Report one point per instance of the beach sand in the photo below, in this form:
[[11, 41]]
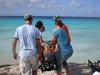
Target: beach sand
[[75, 68]]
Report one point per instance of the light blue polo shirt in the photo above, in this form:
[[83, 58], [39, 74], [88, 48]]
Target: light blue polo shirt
[[27, 36], [64, 48]]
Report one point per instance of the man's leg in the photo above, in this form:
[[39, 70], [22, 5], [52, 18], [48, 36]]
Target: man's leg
[[34, 64], [25, 67], [34, 72]]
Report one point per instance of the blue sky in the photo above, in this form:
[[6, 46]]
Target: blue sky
[[78, 8]]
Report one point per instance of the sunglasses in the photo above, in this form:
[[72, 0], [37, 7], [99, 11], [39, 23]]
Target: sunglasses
[[43, 28]]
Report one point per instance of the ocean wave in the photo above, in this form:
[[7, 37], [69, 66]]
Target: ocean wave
[[6, 30]]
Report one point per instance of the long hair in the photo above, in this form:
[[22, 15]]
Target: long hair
[[59, 23]]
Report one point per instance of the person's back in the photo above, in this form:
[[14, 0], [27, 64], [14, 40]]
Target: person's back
[[27, 35], [67, 32], [63, 44]]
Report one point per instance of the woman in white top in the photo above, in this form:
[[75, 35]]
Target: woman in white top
[[41, 28]]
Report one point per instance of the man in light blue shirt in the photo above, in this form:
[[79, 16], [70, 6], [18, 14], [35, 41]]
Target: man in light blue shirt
[[30, 46]]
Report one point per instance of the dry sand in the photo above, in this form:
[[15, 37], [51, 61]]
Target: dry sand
[[76, 69]]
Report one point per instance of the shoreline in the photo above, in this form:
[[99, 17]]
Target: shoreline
[[75, 69]]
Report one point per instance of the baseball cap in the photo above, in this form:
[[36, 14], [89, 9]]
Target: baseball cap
[[28, 16]]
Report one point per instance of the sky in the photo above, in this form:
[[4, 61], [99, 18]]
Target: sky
[[76, 8]]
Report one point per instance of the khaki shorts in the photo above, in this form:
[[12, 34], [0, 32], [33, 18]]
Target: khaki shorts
[[27, 64]]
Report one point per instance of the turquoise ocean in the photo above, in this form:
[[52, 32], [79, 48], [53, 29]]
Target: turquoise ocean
[[85, 37]]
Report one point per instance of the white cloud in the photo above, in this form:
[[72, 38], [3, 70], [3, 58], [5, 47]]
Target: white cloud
[[11, 3], [74, 3], [34, 1], [31, 2], [10, 7], [29, 5], [48, 4], [42, 5], [52, 1]]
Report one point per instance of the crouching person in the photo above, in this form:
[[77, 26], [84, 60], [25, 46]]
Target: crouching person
[[64, 48]]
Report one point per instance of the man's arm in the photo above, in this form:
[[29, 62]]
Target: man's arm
[[39, 48], [14, 48], [41, 40]]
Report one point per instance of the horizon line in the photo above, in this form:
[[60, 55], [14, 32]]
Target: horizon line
[[60, 16]]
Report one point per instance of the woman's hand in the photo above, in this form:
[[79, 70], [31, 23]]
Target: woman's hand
[[39, 57]]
